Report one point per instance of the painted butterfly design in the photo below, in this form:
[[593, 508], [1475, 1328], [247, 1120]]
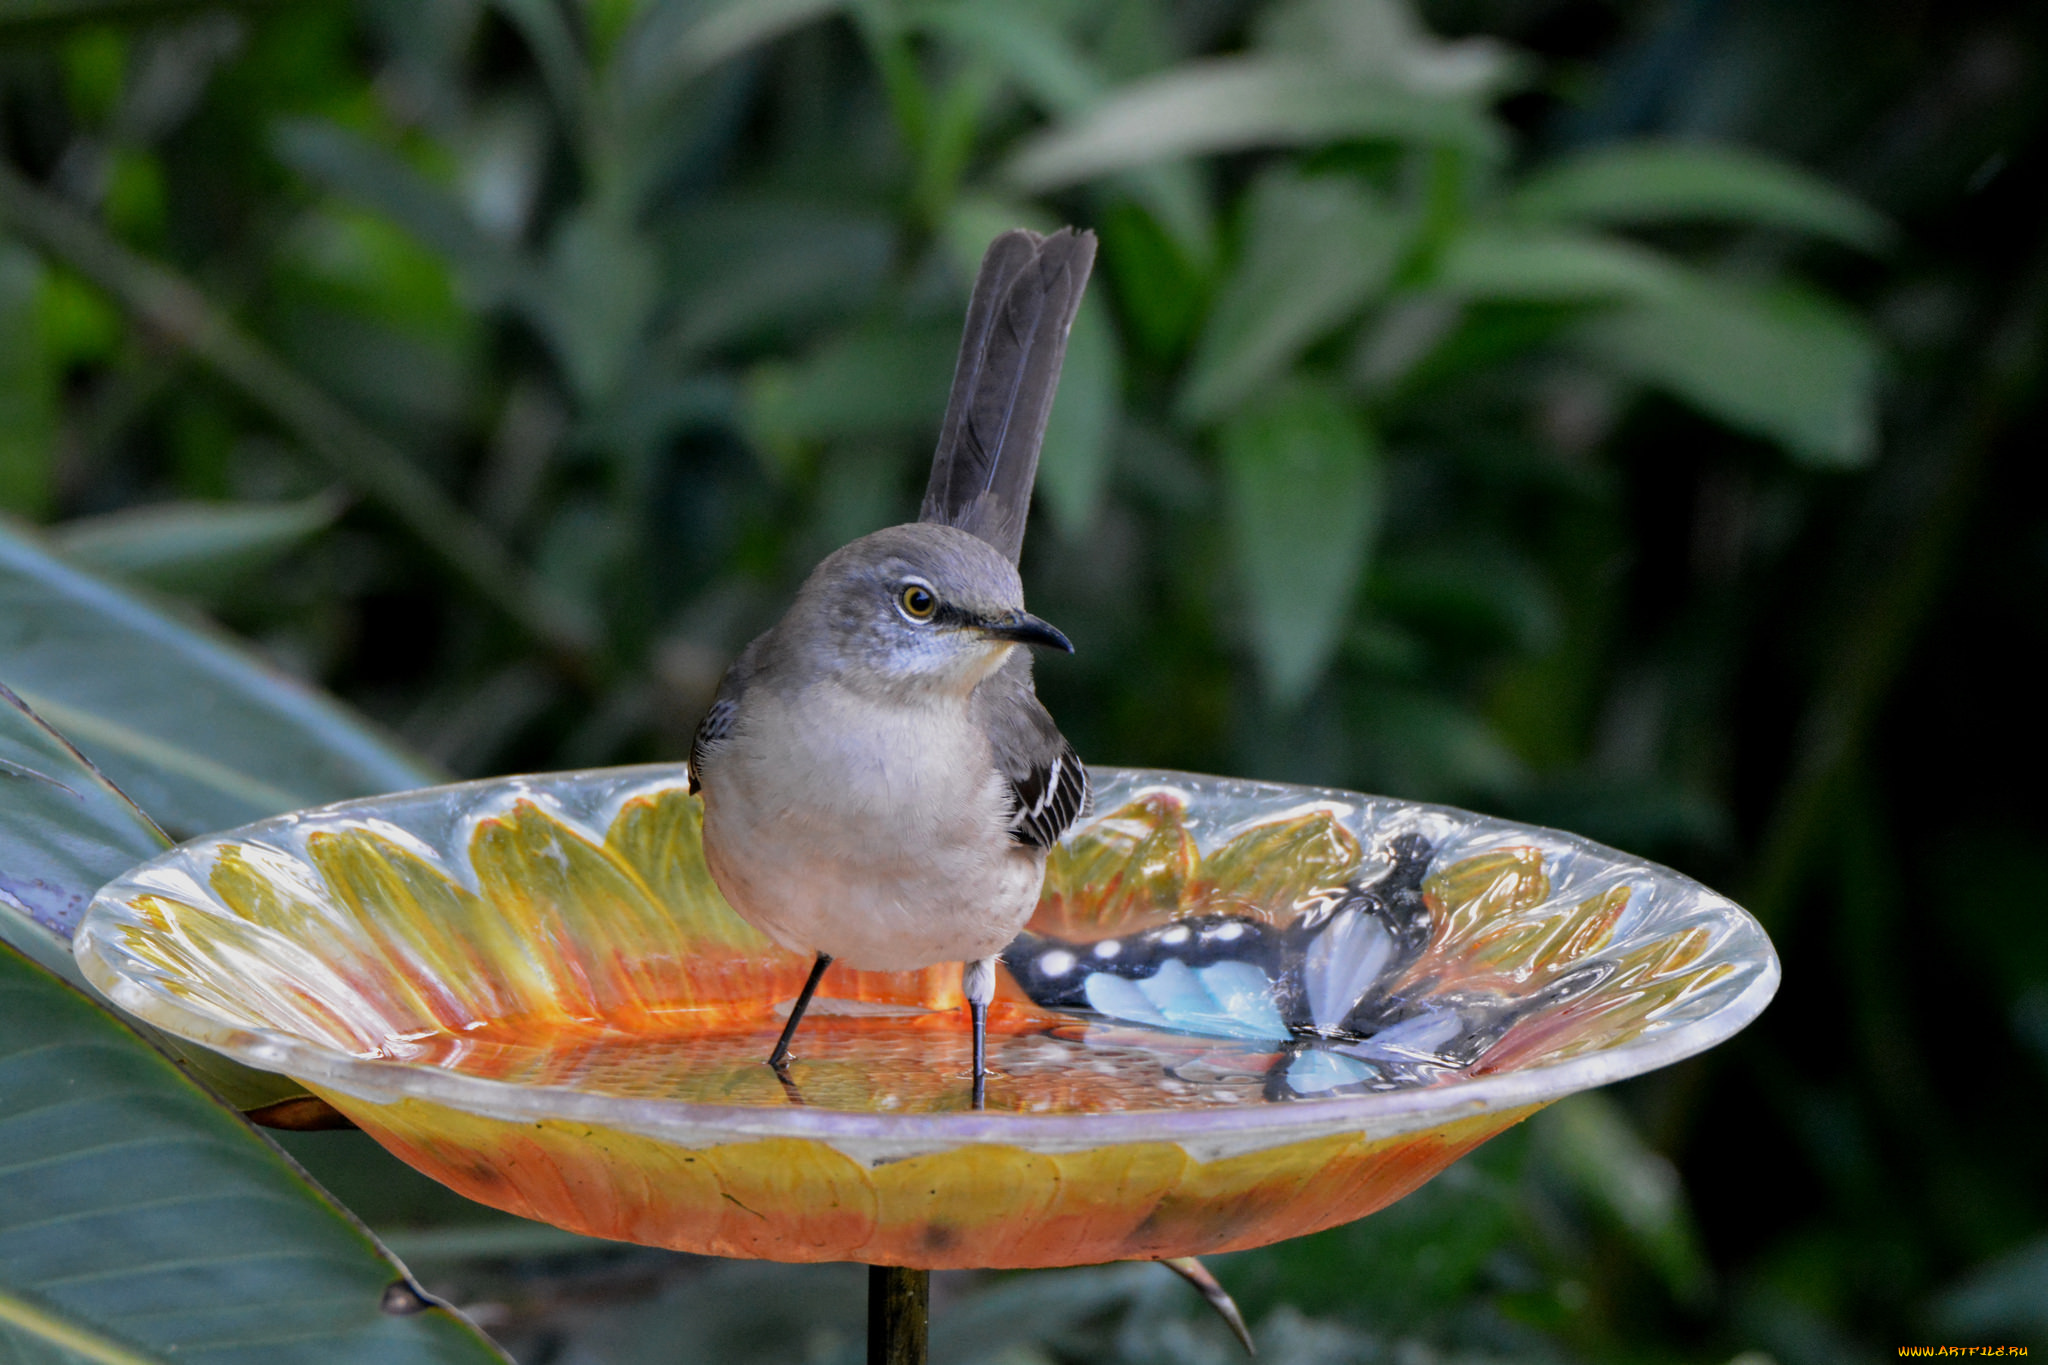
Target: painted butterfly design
[[1315, 992]]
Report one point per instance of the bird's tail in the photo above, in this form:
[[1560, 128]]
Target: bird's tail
[[1024, 302]]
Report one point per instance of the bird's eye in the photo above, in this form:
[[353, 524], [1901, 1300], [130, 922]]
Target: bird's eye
[[917, 601]]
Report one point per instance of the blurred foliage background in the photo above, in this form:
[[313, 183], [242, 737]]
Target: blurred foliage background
[[1610, 413]]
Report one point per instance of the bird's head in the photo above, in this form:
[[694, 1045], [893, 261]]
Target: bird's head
[[916, 608]]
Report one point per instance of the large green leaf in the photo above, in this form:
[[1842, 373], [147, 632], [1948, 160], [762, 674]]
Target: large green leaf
[[1233, 104], [196, 549], [137, 1215], [64, 831], [1302, 478], [1784, 364], [200, 733], [1315, 250], [1643, 184]]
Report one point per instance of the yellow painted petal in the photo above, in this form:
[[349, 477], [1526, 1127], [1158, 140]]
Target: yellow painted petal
[[789, 1199], [457, 951], [1131, 868], [1222, 1203], [960, 1207], [608, 951], [1276, 869], [303, 950], [660, 836]]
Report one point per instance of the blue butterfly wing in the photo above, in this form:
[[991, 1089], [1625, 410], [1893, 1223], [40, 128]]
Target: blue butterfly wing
[[1235, 976], [1315, 1071]]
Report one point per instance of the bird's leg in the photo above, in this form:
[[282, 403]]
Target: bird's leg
[[780, 1057], [978, 984]]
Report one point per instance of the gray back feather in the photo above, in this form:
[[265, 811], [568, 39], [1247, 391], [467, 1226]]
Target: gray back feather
[[1010, 354]]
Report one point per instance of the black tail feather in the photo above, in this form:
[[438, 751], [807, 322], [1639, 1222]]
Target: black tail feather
[[1010, 354]]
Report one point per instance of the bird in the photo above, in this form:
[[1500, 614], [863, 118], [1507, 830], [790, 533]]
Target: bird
[[881, 785]]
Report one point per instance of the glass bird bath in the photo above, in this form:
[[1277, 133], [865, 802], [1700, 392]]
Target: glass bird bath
[[1243, 1012]]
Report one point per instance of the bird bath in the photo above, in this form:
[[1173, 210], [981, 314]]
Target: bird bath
[[1242, 1012]]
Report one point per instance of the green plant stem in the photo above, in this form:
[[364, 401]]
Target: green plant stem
[[899, 1315], [174, 307]]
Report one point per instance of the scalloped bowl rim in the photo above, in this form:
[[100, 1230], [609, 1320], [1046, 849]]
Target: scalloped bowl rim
[[694, 1124]]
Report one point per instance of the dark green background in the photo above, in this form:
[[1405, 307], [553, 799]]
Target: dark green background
[[566, 336]]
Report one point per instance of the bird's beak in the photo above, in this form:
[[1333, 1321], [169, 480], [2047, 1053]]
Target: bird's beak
[[1021, 627]]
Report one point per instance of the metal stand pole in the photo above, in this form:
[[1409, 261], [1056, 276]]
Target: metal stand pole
[[899, 1319]]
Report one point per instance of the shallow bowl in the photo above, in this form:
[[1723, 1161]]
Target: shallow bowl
[[1243, 1011]]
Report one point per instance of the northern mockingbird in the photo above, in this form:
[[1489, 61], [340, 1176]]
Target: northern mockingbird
[[880, 782]]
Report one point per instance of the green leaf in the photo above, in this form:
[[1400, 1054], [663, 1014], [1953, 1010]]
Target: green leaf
[[1040, 59], [1232, 104], [2006, 1296], [1785, 365], [1160, 290], [545, 26], [1315, 251], [1302, 475], [197, 549], [1075, 463], [194, 728], [868, 383], [28, 387], [1020, 42], [64, 832], [33, 1335], [1589, 1141], [375, 178], [1414, 740], [1385, 39], [1647, 183], [1544, 266], [746, 270], [1480, 591], [142, 1216], [737, 25], [607, 276]]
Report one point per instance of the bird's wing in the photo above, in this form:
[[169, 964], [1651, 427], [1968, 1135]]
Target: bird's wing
[[1010, 354], [1049, 787], [717, 724]]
